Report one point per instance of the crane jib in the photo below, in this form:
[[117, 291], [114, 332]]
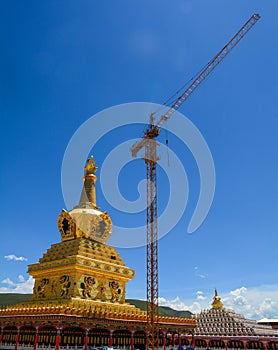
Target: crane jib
[[201, 77]]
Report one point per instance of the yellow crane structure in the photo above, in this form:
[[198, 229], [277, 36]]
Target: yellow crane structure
[[149, 144]]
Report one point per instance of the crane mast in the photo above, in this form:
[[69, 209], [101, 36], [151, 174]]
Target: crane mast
[[151, 158]]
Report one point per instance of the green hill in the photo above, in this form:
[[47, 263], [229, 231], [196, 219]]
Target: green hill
[[14, 298], [162, 310]]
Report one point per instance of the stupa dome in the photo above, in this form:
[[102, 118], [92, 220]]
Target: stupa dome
[[92, 223], [86, 219]]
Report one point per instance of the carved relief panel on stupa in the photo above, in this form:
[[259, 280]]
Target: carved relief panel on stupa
[[53, 288], [101, 289]]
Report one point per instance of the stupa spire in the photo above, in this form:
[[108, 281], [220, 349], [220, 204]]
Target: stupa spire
[[216, 303], [88, 194]]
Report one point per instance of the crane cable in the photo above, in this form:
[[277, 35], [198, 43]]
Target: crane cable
[[167, 145], [172, 98]]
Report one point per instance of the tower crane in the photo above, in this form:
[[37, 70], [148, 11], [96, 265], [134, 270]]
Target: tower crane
[[149, 144]]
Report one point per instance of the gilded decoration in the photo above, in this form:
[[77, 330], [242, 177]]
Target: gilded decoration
[[101, 289], [92, 224], [88, 287], [64, 282], [52, 288], [116, 291], [66, 226], [42, 288]]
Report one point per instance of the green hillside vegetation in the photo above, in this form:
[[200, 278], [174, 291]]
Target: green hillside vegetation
[[162, 310], [14, 298]]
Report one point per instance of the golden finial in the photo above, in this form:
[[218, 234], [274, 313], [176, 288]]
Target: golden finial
[[216, 303], [90, 166], [88, 194]]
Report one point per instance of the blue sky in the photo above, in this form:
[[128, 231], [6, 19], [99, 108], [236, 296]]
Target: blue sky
[[64, 61]]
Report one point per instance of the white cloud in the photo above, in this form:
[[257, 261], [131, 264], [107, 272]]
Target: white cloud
[[23, 286], [178, 304], [14, 257], [267, 305], [252, 302], [195, 307], [239, 291], [21, 278], [200, 295], [8, 281], [175, 303], [198, 273]]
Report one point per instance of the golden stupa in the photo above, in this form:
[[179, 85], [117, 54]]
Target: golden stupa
[[82, 267], [80, 286], [216, 303]]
